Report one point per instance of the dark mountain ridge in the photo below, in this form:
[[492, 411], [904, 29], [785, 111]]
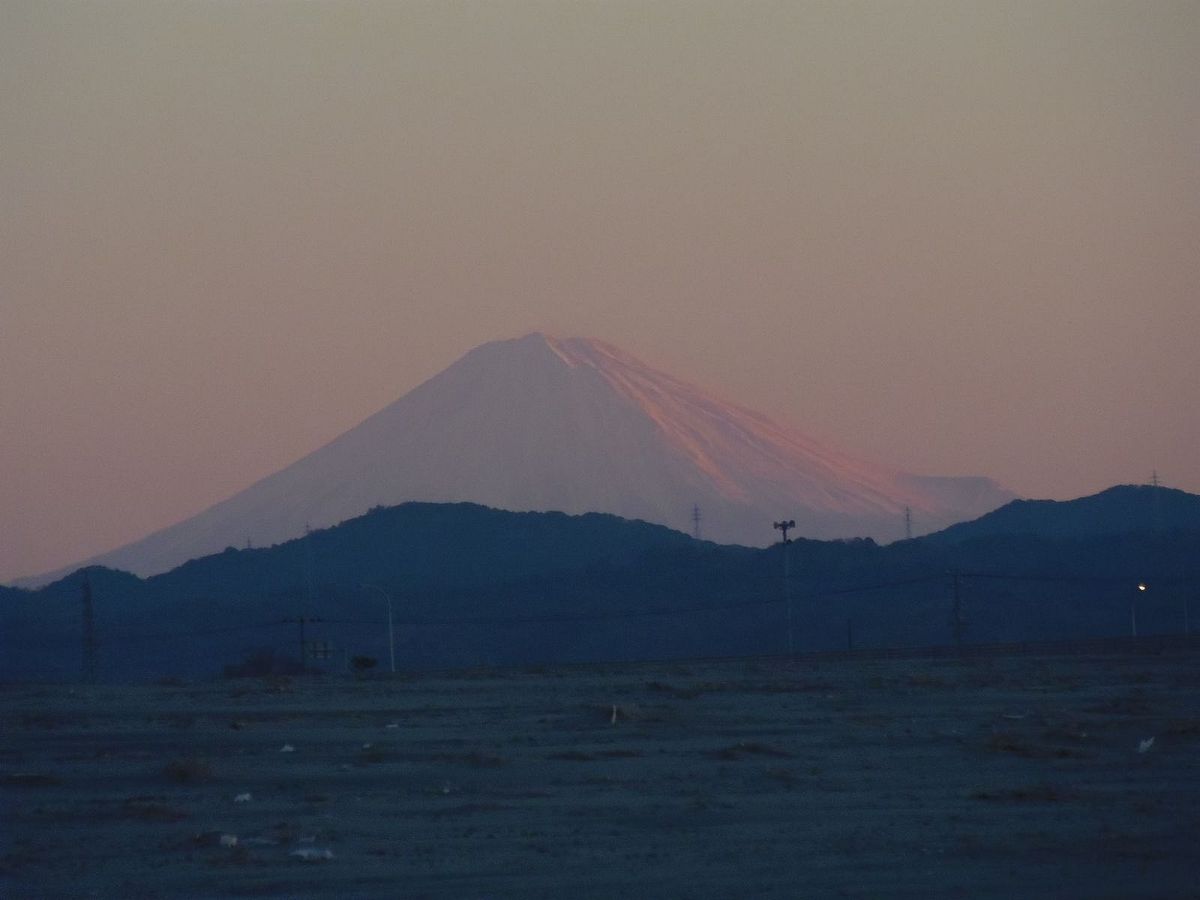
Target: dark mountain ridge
[[1123, 509], [471, 585]]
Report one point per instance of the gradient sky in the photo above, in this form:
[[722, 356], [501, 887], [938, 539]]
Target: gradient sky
[[956, 237]]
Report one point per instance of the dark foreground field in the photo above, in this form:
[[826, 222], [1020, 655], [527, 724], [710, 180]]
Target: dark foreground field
[[1015, 777]]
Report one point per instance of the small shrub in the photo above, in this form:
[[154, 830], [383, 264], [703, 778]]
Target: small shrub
[[375, 754], [187, 771], [150, 809], [1035, 793], [784, 777], [483, 760], [1002, 742], [571, 756], [261, 663], [748, 748]]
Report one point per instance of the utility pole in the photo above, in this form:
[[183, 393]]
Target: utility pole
[[787, 592], [957, 625], [391, 632], [90, 646], [308, 567], [302, 621], [908, 523], [696, 522], [1141, 589]]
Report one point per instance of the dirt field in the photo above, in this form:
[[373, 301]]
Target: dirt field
[[1008, 777]]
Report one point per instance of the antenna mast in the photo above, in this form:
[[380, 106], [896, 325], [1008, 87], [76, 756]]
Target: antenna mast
[[908, 523], [696, 522]]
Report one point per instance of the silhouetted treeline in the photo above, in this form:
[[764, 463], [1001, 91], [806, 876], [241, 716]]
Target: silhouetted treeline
[[471, 585]]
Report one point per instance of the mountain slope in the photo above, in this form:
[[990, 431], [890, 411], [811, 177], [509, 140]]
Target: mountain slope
[[1123, 509], [468, 586], [573, 425]]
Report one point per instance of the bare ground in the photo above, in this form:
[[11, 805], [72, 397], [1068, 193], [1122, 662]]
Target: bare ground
[[1014, 777]]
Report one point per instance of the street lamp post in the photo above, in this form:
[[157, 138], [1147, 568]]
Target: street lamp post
[[391, 632], [1133, 609]]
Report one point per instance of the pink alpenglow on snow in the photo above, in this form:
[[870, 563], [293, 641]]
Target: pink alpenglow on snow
[[576, 425]]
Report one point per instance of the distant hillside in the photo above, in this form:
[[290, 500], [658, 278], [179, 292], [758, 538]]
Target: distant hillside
[[1124, 509], [475, 586]]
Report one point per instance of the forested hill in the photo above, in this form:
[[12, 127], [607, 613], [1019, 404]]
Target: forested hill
[[470, 585], [1124, 509]]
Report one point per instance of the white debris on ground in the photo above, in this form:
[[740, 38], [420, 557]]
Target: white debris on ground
[[243, 798], [312, 854], [287, 748], [229, 840], [1144, 746]]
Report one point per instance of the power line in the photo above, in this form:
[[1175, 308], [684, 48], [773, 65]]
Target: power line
[[126, 635], [91, 641], [634, 613]]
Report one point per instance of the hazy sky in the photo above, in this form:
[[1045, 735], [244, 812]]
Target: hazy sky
[[957, 237]]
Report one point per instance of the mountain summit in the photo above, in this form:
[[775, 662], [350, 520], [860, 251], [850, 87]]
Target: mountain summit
[[577, 425]]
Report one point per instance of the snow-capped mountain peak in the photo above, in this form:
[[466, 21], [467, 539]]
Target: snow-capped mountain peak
[[577, 425]]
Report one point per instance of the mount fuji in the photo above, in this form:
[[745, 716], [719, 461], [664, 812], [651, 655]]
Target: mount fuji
[[576, 425]]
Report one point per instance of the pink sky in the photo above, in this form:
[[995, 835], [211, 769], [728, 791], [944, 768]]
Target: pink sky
[[955, 237]]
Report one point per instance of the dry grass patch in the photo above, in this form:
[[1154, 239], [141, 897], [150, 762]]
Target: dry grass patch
[[29, 780], [581, 756], [748, 748], [1005, 742], [188, 771], [571, 756], [1183, 728], [923, 679], [1035, 793], [786, 777], [151, 809]]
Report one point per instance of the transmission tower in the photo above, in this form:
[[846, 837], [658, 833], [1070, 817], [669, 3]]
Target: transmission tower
[[89, 633], [696, 522], [908, 523]]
